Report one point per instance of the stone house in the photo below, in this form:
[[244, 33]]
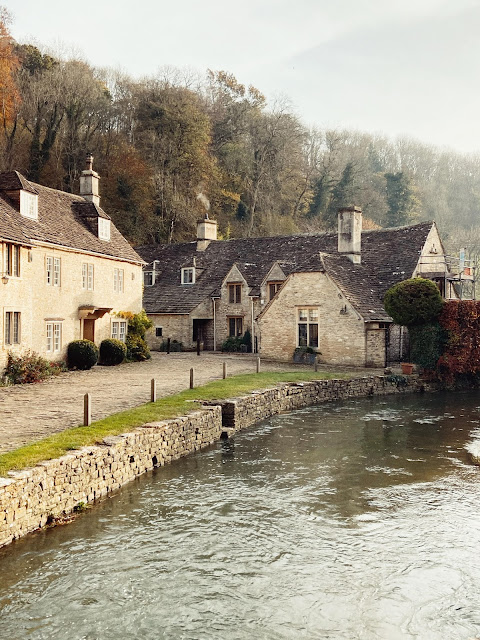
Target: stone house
[[66, 270], [323, 291]]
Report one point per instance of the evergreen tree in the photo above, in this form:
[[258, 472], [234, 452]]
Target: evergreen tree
[[401, 200]]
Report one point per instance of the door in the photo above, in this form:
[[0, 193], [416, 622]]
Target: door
[[89, 330]]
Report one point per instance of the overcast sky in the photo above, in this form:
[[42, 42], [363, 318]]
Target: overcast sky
[[398, 67]]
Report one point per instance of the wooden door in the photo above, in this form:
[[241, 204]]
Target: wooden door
[[89, 330]]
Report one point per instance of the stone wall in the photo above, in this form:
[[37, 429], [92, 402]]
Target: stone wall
[[32, 498], [239, 413]]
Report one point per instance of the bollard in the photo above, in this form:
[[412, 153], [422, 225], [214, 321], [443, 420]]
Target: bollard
[[316, 365], [153, 390], [168, 346], [191, 378], [87, 410], [224, 370], [198, 346], [258, 364]]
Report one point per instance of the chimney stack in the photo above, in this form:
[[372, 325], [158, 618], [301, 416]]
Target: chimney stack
[[206, 232], [350, 233], [89, 182]]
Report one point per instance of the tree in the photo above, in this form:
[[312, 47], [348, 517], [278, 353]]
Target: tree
[[401, 200], [9, 94]]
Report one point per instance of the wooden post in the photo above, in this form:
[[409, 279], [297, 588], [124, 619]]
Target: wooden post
[[258, 364], [87, 410], [198, 346], [168, 345], [316, 365], [191, 378], [224, 370], [153, 390]]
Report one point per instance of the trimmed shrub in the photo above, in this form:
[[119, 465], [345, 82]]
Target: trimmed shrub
[[138, 323], [174, 345], [82, 354], [247, 340], [426, 344], [232, 343], [413, 302], [30, 367], [112, 352]]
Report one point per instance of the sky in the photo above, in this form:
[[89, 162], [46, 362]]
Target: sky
[[393, 67]]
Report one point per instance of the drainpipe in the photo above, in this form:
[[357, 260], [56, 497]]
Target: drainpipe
[[214, 326], [253, 330]]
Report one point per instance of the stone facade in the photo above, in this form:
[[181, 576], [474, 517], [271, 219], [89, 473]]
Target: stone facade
[[32, 498], [341, 330], [40, 303]]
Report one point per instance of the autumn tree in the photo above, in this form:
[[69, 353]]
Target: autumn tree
[[9, 93]]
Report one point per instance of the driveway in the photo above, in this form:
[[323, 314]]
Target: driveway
[[33, 411]]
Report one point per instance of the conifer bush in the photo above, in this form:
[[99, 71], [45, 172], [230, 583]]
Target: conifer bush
[[413, 302], [82, 354], [112, 352]]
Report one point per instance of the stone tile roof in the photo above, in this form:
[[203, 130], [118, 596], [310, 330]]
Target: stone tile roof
[[63, 219], [388, 256]]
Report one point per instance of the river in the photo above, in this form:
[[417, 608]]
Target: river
[[352, 520]]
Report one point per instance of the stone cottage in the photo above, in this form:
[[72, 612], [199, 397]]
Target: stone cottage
[[323, 291], [66, 270]]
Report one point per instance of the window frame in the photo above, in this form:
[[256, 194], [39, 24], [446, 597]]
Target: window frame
[[276, 284], [12, 334], [118, 330], [87, 276], [103, 229], [54, 334], [118, 280], [235, 322], [310, 324], [53, 271], [234, 292], [12, 260], [191, 278]]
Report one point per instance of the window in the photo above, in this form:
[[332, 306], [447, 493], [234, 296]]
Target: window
[[235, 327], [103, 229], [119, 330], [273, 287], [234, 293], [118, 280], [148, 278], [54, 337], [188, 275], [29, 205], [87, 276], [12, 327], [158, 332], [12, 260], [307, 323], [53, 271]]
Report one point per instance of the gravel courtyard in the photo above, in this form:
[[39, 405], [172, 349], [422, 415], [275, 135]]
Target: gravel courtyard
[[30, 412]]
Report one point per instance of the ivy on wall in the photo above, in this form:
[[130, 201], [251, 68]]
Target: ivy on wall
[[461, 353]]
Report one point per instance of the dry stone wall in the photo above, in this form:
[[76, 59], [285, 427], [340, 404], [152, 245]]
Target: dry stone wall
[[32, 498]]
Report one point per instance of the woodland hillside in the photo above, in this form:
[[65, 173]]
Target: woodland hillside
[[171, 146]]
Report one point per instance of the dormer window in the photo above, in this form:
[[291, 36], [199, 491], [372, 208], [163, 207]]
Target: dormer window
[[29, 205], [188, 275], [103, 229], [149, 278]]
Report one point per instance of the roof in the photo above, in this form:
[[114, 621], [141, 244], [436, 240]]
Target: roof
[[388, 256], [64, 219]]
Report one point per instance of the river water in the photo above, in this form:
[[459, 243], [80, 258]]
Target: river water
[[353, 520]]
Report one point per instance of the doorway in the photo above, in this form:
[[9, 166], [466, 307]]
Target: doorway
[[89, 330]]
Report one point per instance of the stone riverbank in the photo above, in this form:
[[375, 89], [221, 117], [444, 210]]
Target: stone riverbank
[[52, 490]]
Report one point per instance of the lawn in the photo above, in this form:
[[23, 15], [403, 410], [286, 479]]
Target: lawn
[[164, 408]]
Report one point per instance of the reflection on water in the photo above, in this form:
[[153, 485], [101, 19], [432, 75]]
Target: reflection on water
[[349, 520]]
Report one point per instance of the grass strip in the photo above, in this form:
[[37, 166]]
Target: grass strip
[[163, 409]]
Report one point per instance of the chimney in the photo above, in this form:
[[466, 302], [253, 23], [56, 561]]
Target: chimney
[[350, 233], [206, 231], [89, 182]]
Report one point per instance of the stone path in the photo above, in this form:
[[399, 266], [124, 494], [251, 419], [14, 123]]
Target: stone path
[[31, 412]]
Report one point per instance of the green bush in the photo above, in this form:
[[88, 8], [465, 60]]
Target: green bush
[[414, 302], [174, 345], [82, 354], [137, 348], [427, 342], [30, 367], [232, 343], [247, 340], [112, 352]]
